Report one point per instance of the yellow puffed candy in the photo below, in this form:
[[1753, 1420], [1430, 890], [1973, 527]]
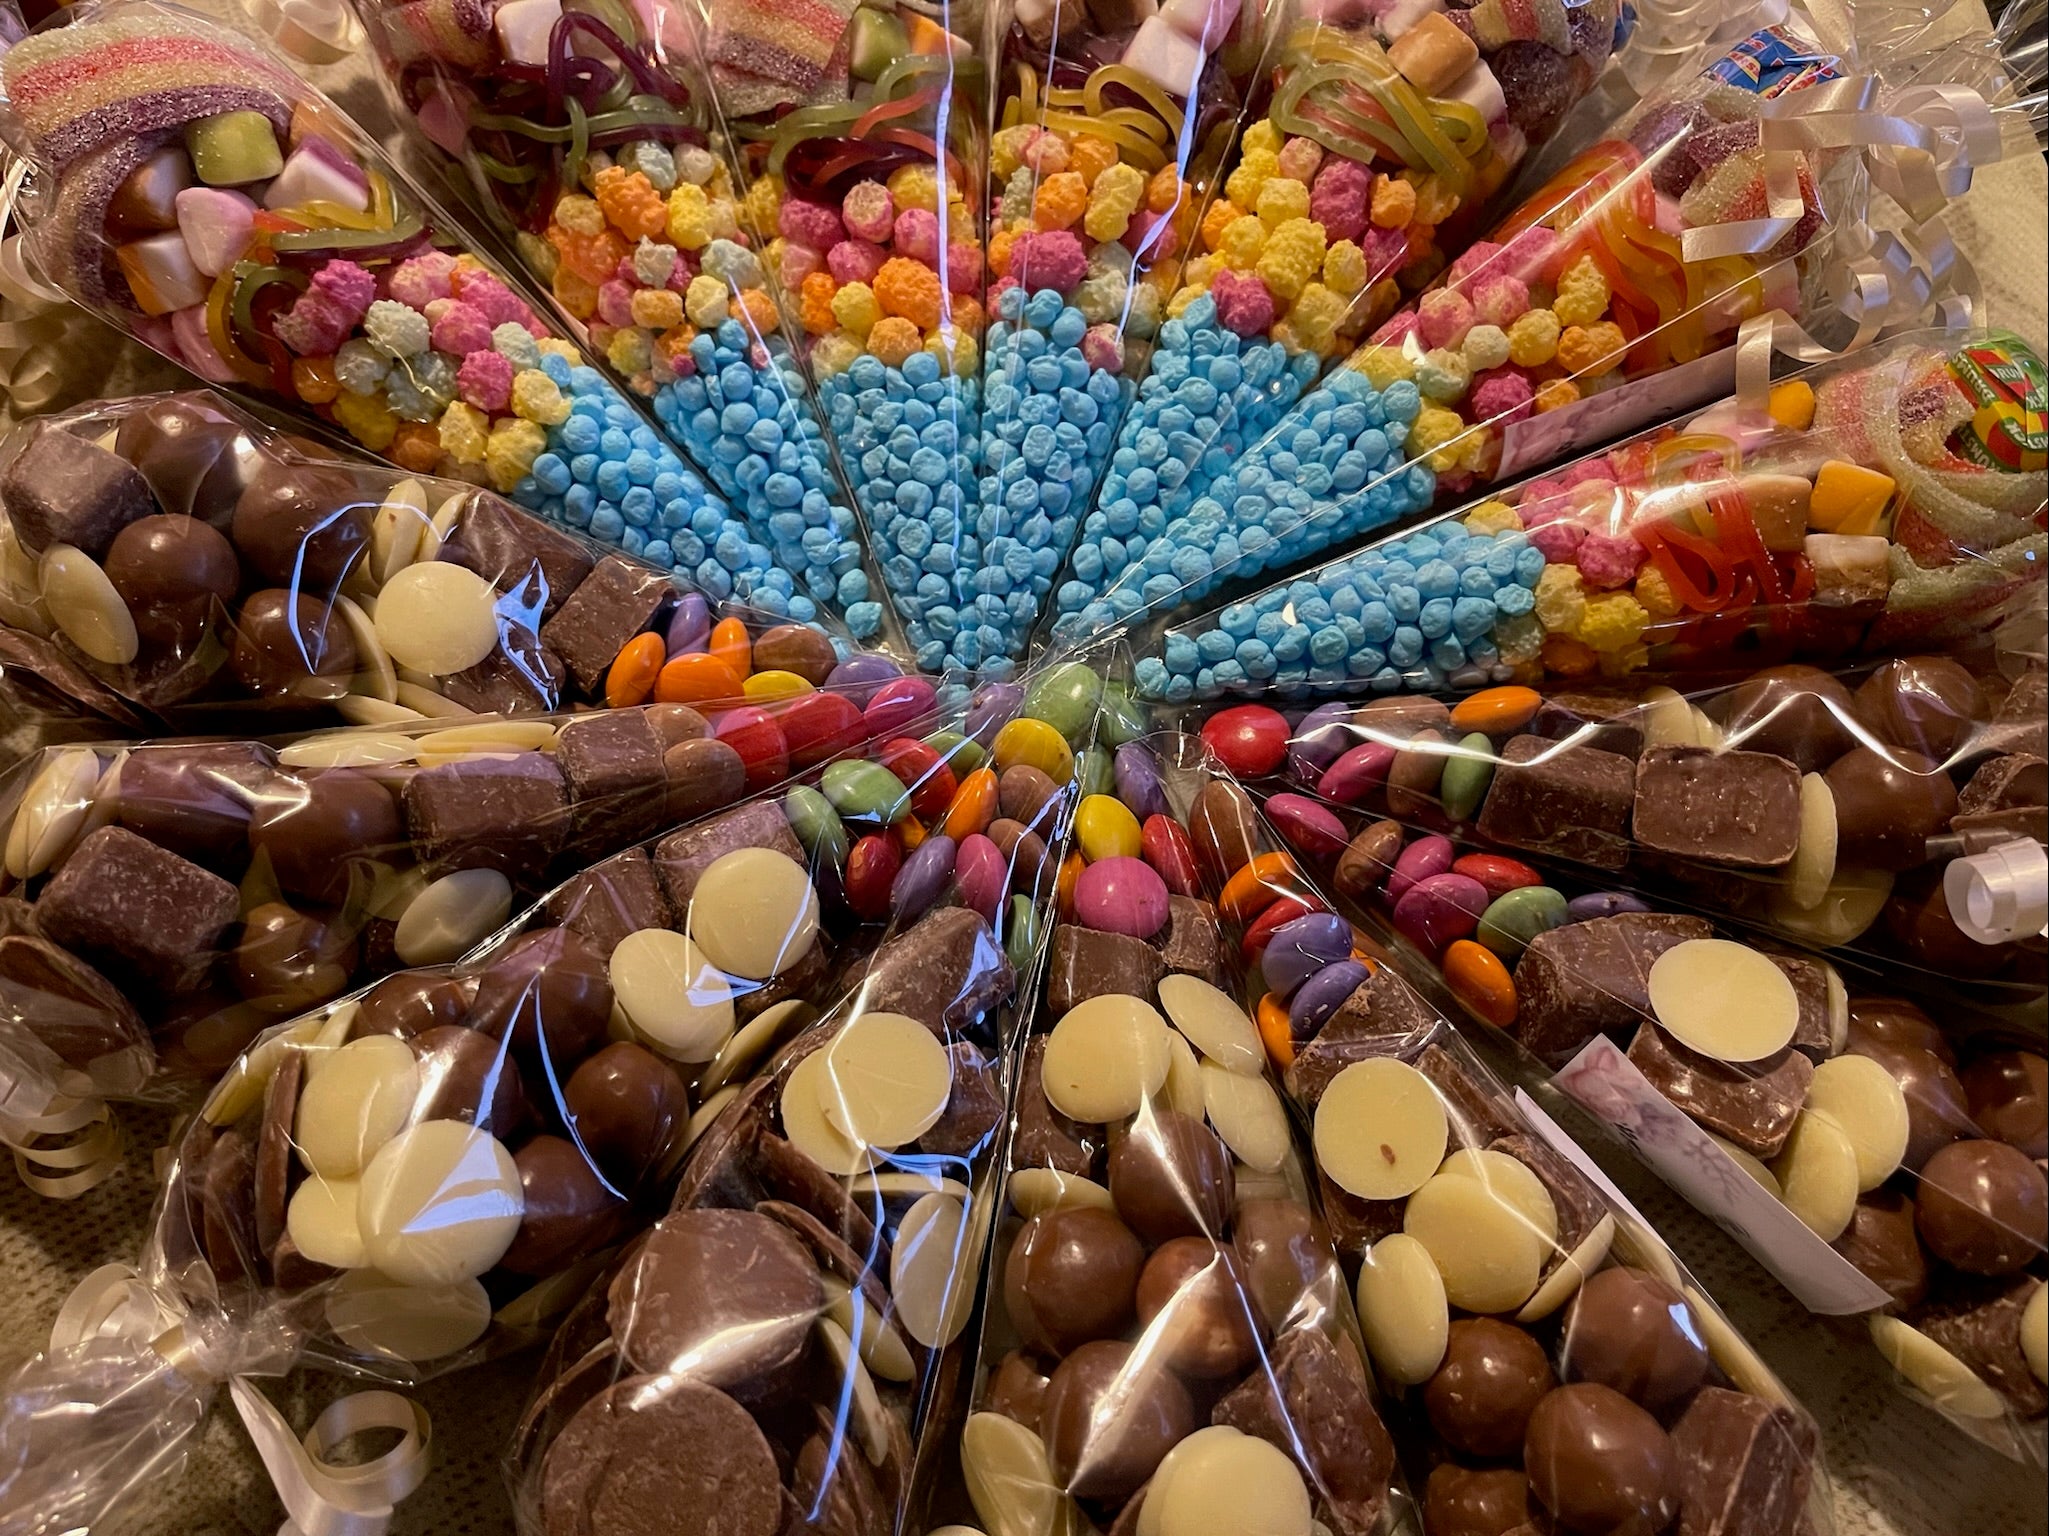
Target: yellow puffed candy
[[1492, 517], [631, 350], [1216, 219], [835, 353], [762, 204], [1443, 375], [914, 186], [1035, 744], [1533, 339], [1293, 255], [1519, 638], [463, 431], [774, 684], [725, 219], [690, 220], [657, 308], [555, 346], [1792, 405], [894, 339], [1106, 829], [1434, 438], [1344, 268], [1480, 451], [958, 352], [1263, 137], [1582, 293], [1613, 621], [366, 418], [855, 307], [536, 397], [1654, 593], [1394, 203], [1006, 148], [1112, 201], [1201, 272], [1561, 596], [1315, 315], [578, 295], [1282, 199], [1089, 156], [705, 301], [1383, 366], [1555, 394], [1436, 201], [1061, 199], [1621, 663], [580, 214], [1243, 240], [1255, 166], [1183, 297], [512, 449]]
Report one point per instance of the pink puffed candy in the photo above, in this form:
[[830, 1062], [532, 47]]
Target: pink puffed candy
[[1395, 330], [1499, 299], [682, 272], [799, 262], [195, 348], [459, 328], [1537, 255], [1049, 258], [963, 267], [917, 235], [419, 280], [615, 303], [485, 381], [497, 303], [1299, 159], [1041, 148], [1477, 260], [1103, 348], [811, 224], [315, 324], [868, 211], [1558, 541], [1339, 198], [1585, 471], [854, 261], [1387, 250], [1501, 395], [996, 292], [1607, 562], [1244, 306], [1443, 318]]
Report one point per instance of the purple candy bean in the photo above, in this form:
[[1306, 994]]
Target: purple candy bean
[[1357, 773], [896, 704], [1438, 909], [1299, 949], [689, 626], [1426, 856], [922, 878], [1121, 896], [1323, 995], [1138, 782], [1307, 826], [861, 675], [1582, 909], [1318, 741], [993, 706], [981, 873]]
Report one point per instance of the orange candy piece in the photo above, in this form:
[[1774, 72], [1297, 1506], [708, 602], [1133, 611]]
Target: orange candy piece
[[1070, 877], [634, 670], [415, 446], [1275, 1033], [973, 806], [1496, 711], [729, 642], [910, 832], [696, 679], [1478, 979], [1257, 886]]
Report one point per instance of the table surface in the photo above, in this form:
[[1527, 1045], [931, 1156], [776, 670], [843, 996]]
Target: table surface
[[1896, 1469]]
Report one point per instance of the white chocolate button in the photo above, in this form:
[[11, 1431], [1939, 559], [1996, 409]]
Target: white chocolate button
[[1667, 719], [1570, 1274], [905, 1184], [357, 709], [393, 890], [870, 1422], [1751, 1165], [1287, 1182], [932, 1271], [418, 701], [1512, 1181], [1934, 1372], [1402, 1309], [1180, 1456], [452, 916], [322, 1222], [1184, 1077], [882, 1349], [1247, 1113], [1486, 1250], [374, 1314], [676, 1000], [1868, 1107], [754, 913], [1814, 855], [437, 617], [1235, 1483], [1706, 733], [242, 1089], [1009, 1479], [1817, 1174], [1730, 1350], [1854, 900], [702, 1117], [752, 1040], [1838, 1008], [1724, 1000], [375, 676], [2035, 1332], [84, 604], [805, 1123], [52, 812], [1105, 1058], [1034, 1191], [396, 529], [1380, 1129], [492, 736], [1213, 1023], [355, 1100], [887, 1080], [349, 749], [441, 1202]]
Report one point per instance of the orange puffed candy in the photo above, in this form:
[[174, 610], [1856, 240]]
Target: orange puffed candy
[[675, 341], [630, 203], [758, 312], [815, 304], [1555, 394], [1061, 201], [1070, 877], [1478, 979], [1275, 1033], [973, 806], [1567, 657], [595, 258], [1214, 222], [1257, 886], [731, 644], [893, 340], [578, 294], [1164, 192], [1000, 244], [314, 381], [968, 315], [1088, 157], [633, 672], [416, 446], [1497, 711], [696, 679], [911, 289]]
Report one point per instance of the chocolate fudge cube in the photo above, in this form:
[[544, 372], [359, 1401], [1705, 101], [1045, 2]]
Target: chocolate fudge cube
[[1045, 1137], [608, 608], [2006, 794], [1382, 1017], [509, 814], [682, 857], [521, 677], [1578, 1205], [612, 763], [610, 900], [1745, 1465], [65, 489], [1724, 808], [1608, 719], [516, 551], [1194, 943], [946, 972], [1312, 1404], [138, 912], [1819, 992], [1593, 978], [973, 1108], [1479, 1115], [1752, 1103], [1565, 800], [1086, 963]]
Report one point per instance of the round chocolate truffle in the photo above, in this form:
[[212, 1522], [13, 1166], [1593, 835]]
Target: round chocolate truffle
[[1016, 1389], [1110, 1415], [1631, 1331], [1880, 1240], [1072, 1276], [1458, 1501], [626, 1107], [303, 525], [321, 830], [288, 961], [1887, 807], [1601, 1464], [412, 1002], [551, 984], [1925, 703], [1794, 712], [1494, 1374], [1208, 1330], [176, 574], [1895, 1021], [1282, 1254], [569, 1211], [195, 461], [287, 643], [1983, 1207], [467, 1075], [1918, 919], [1171, 1176], [2009, 1097], [1937, 1112]]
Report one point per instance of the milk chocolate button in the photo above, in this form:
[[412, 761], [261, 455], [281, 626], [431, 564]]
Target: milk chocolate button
[[1817, 1174], [1484, 1247], [440, 1202], [437, 618], [677, 1309], [1380, 1129], [1247, 1113], [1866, 1104], [754, 912], [1723, 1000], [321, 1222], [887, 1080], [1231, 1482], [357, 1099], [1010, 1479], [452, 915], [674, 998], [1213, 1023], [1105, 1058], [378, 1316], [1402, 1309], [1934, 1372]]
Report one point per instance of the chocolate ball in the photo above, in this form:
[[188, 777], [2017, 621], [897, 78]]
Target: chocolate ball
[[194, 800], [1207, 1330], [1223, 828], [1937, 1112], [288, 644], [288, 961], [196, 461], [1887, 807], [1926, 703], [1917, 919], [1458, 1501], [550, 985], [1895, 1021], [1600, 1463], [467, 1075], [1110, 1415], [1171, 1176], [1072, 1276], [1494, 1374], [1794, 712], [2009, 1098], [303, 525], [1016, 1389], [412, 1003], [569, 1212], [1880, 1241], [1631, 1331], [1983, 1207], [627, 1107], [1282, 1253], [176, 574], [321, 830]]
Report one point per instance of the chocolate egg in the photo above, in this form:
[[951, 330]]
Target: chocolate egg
[[1171, 1176], [1983, 1207], [194, 800], [1023, 793], [1458, 1501], [626, 1107], [1926, 703], [1631, 1331], [551, 984], [176, 574], [1072, 1276], [1937, 1112], [1601, 1464], [1880, 1241], [1493, 1376], [2009, 1097], [1887, 807], [303, 525], [196, 461], [1223, 828], [1110, 1415], [286, 961], [1793, 712], [287, 643], [1016, 1389], [321, 830], [1895, 1021], [1282, 1253], [1194, 1308], [467, 1075], [568, 1212], [411, 1003]]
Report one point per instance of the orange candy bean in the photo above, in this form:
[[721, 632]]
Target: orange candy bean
[[1478, 979], [696, 679], [729, 642], [1496, 711], [1257, 886], [1070, 877], [910, 832], [633, 671], [973, 806], [1275, 1034]]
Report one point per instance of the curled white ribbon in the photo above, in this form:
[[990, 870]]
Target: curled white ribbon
[[71, 1146]]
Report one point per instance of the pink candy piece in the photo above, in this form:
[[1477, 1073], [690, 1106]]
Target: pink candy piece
[[897, 705], [1049, 258], [855, 261], [1588, 471], [917, 235], [419, 280], [1439, 909], [682, 272], [615, 303], [485, 381], [1244, 305], [1537, 255], [963, 267], [1499, 299], [195, 348], [1501, 395], [496, 302], [1121, 896], [1387, 250], [1338, 199], [1426, 856], [315, 324], [1557, 541], [350, 288], [1397, 329], [997, 290], [1443, 318], [811, 224], [1102, 347], [1477, 261], [799, 262], [981, 875], [1357, 773], [869, 212], [1307, 826], [215, 226], [1608, 562], [461, 329], [1038, 147]]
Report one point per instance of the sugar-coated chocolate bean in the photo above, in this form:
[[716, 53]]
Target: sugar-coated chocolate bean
[[1169, 851], [1307, 826], [1356, 773], [1368, 859], [1597, 904], [1250, 740], [1425, 856], [1440, 909], [1122, 895], [1322, 995], [1138, 781], [923, 878], [1301, 948]]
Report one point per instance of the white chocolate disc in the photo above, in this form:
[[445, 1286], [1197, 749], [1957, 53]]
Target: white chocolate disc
[[356, 1100], [754, 913], [1838, 1008], [1854, 900], [1236, 1483], [1730, 1350], [357, 709], [349, 749], [882, 1349], [1723, 999], [441, 1202], [1380, 1129], [322, 1222], [1867, 1105], [83, 603], [452, 916], [396, 529], [1814, 855], [375, 676], [1705, 732], [805, 1123], [378, 1316], [491, 737], [437, 617], [1817, 1174], [702, 1117], [1486, 1250], [1512, 1181], [1155, 1492], [1402, 1309], [1184, 1077], [1009, 1479], [676, 1000], [1213, 1023], [1751, 1165], [2035, 1332], [752, 1040], [887, 1080], [932, 1271], [1034, 1191], [1641, 1248], [906, 1184], [1934, 1372], [421, 701], [1570, 1273], [1667, 719], [52, 812], [870, 1422], [1105, 1058], [1247, 1113]]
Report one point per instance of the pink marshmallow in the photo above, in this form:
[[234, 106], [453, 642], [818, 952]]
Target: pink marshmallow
[[460, 329], [854, 261], [485, 381], [917, 235]]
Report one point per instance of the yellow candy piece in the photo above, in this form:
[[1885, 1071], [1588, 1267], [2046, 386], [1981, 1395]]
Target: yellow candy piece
[[775, 685], [1033, 744], [1792, 405], [1106, 829], [1850, 499]]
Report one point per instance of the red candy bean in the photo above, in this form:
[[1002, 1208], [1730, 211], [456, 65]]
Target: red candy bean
[[1357, 773], [1439, 909], [821, 726], [1249, 739], [1164, 844], [981, 872], [753, 732], [1307, 826], [871, 871], [897, 703], [918, 765], [1497, 872], [1261, 929]]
